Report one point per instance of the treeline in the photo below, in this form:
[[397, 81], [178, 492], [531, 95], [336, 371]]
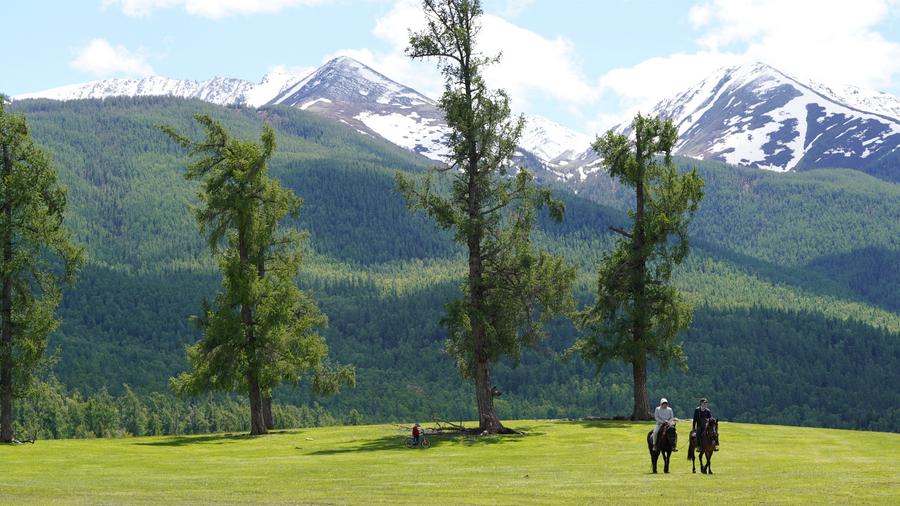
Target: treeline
[[50, 411], [789, 219], [782, 264]]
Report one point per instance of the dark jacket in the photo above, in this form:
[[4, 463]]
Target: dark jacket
[[699, 416]]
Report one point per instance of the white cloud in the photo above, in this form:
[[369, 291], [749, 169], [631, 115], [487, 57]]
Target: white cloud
[[515, 7], [532, 65], [396, 66], [831, 41], [834, 41], [101, 59], [393, 28], [138, 8], [638, 88], [214, 9]]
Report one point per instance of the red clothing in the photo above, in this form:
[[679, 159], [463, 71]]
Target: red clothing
[[415, 432]]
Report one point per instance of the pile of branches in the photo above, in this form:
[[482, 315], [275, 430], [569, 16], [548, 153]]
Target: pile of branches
[[447, 428]]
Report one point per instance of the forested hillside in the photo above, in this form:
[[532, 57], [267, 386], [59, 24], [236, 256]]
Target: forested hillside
[[794, 276]]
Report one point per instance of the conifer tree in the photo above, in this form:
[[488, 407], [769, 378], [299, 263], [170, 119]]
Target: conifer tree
[[638, 312], [37, 258], [509, 289], [260, 329]]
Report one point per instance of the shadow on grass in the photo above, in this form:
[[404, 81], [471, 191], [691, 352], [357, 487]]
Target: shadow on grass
[[608, 424], [398, 443], [217, 439]]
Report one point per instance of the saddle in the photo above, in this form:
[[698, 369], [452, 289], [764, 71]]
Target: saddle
[[695, 437], [662, 431]]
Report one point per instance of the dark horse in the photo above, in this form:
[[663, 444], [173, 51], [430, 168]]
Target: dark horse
[[666, 441], [707, 445]]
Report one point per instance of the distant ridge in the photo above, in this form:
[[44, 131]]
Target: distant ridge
[[752, 115]]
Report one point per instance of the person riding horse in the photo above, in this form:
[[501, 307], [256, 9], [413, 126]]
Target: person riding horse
[[702, 415], [663, 415]]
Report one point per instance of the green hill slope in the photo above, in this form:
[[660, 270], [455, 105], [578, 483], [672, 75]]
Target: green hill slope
[[788, 329], [557, 462]]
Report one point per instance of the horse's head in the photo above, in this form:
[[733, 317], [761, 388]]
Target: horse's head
[[672, 435], [712, 428]]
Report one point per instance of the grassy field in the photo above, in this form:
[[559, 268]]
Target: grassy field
[[557, 462]]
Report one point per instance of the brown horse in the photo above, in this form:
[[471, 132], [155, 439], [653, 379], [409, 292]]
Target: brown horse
[[666, 441], [707, 445]]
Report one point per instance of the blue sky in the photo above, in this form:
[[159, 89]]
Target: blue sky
[[586, 64]]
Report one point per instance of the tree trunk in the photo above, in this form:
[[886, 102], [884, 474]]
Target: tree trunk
[[6, 365], [257, 421], [641, 399], [484, 395], [268, 419], [640, 311], [6, 358]]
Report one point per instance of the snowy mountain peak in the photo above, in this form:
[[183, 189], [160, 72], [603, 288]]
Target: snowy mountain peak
[[551, 141], [272, 84], [687, 107], [218, 90], [751, 114], [758, 116], [346, 80], [864, 99], [362, 98], [750, 71]]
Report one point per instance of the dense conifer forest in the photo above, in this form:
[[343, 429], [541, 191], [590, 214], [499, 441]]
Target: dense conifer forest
[[795, 279]]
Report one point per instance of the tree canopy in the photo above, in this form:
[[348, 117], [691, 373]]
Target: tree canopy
[[510, 289], [260, 329], [638, 312], [37, 258]]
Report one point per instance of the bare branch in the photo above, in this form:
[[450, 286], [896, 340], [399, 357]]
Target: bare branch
[[622, 232]]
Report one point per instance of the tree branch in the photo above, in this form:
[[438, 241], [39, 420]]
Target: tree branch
[[622, 232]]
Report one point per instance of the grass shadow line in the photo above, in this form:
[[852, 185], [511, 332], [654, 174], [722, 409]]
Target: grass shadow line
[[606, 423], [398, 442], [207, 439]]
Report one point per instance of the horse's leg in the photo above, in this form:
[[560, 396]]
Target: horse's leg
[[654, 456], [691, 454], [702, 466], [709, 461]]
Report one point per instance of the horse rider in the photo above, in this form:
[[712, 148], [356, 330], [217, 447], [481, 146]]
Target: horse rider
[[663, 414], [702, 414]]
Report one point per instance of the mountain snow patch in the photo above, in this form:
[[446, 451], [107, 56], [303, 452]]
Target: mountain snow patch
[[417, 134]]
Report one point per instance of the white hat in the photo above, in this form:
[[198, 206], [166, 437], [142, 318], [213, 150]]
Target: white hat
[[663, 401]]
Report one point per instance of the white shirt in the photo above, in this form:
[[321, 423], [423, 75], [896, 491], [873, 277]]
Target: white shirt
[[663, 415]]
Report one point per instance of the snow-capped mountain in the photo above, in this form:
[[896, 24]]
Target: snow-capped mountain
[[757, 116], [750, 115], [218, 90], [551, 141], [878, 102], [358, 96], [354, 94]]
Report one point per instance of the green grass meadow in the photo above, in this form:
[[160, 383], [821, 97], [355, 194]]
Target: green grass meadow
[[557, 462]]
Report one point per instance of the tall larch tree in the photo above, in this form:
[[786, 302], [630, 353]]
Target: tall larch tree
[[638, 313], [260, 329], [510, 290], [38, 258]]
